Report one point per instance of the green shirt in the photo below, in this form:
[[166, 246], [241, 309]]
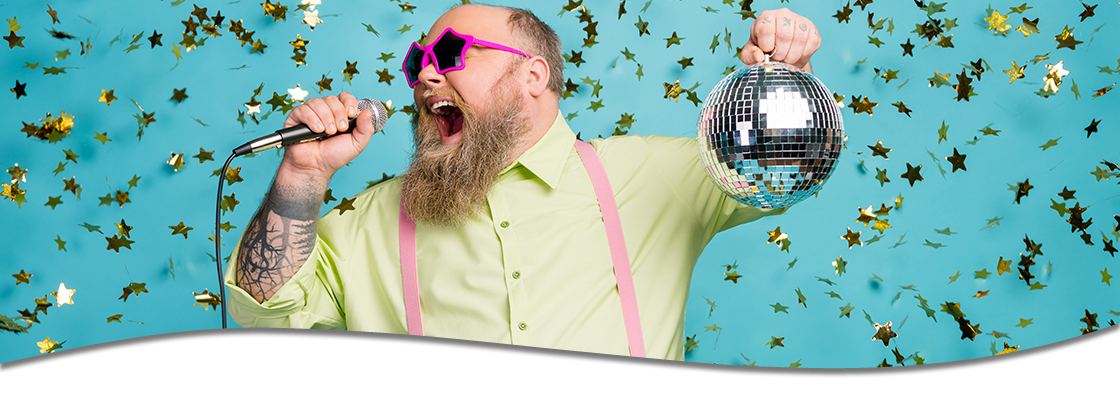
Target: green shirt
[[534, 268]]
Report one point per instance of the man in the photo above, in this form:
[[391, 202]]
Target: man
[[510, 239]]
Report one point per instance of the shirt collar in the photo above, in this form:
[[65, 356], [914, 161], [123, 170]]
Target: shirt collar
[[547, 157]]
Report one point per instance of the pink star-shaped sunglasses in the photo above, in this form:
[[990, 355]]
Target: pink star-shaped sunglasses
[[446, 52]]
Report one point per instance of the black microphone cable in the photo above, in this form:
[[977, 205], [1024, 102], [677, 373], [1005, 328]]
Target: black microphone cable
[[218, 239]]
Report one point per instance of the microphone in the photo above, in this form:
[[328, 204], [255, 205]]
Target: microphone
[[301, 133]]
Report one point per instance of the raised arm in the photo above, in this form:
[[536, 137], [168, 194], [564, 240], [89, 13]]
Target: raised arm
[[280, 237]]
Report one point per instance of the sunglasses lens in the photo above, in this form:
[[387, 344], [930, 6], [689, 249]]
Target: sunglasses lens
[[413, 60], [449, 51]]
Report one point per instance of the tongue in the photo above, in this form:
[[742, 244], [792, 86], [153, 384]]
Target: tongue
[[457, 123]]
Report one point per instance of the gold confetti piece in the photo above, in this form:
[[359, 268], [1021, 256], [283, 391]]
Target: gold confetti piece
[[176, 161], [673, 90], [852, 238], [884, 333], [879, 150], [107, 97], [1066, 39], [276, 11], [997, 23], [1054, 77], [311, 18], [64, 295], [207, 299], [22, 277], [297, 93], [776, 235], [912, 174], [48, 346], [180, 229], [840, 265]]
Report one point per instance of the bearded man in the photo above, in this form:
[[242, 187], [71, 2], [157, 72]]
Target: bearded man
[[505, 228]]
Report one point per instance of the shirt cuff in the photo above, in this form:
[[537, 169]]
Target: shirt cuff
[[247, 312]]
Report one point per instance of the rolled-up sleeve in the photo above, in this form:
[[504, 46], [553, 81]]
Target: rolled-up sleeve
[[311, 299]]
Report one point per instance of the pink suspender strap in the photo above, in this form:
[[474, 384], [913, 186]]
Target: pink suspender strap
[[622, 271], [623, 274], [407, 228]]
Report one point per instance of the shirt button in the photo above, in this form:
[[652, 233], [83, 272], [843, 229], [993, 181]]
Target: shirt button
[[505, 224], [516, 274], [522, 326]]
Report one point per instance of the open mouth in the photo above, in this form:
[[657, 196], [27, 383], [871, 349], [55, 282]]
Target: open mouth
[[448, 117]]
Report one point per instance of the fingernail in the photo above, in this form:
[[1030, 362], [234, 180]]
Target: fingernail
[[318, 126], [342, 124], [331, 128], [350, 112]]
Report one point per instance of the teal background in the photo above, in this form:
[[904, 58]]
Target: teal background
[[221, 75]]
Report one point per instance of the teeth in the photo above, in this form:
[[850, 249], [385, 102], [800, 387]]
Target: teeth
[[439, 108]]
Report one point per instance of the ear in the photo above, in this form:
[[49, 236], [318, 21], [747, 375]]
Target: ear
[[536, 78]]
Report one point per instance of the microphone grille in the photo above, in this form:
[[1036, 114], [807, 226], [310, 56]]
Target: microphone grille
[[379, 116]]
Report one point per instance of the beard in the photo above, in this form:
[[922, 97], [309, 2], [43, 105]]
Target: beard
[[446, 185]]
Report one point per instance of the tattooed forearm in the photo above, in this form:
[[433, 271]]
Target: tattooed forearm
[[278, 240]]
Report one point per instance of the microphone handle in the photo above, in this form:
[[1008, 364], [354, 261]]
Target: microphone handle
[[301, 133], [287, 137]]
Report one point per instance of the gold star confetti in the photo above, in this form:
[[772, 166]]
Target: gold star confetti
[[1016, 71], [180, 229], [64, 295], [207, 300], [879, 150], [1054, 77], [840, 265], [1066, 39], [673, 90], [346, 204], [22, 277], [311, 18], [48, 346], [776, 235], [852, 238], [884, 333], [107, 97], [176, 161], [913, 174]]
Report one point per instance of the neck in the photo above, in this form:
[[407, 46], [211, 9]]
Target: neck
[[542, 113]]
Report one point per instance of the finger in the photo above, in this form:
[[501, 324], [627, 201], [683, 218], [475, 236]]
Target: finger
[[813, 43], [350, 102], [338, 113], [305, 115], [796, 55], [783, 35], [324, 114], [763, 31]]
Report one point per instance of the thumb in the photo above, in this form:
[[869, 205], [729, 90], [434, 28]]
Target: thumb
[[751, 54], [363, 128]]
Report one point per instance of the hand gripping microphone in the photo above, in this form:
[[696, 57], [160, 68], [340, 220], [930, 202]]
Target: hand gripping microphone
[[301, 133], [284, 137]]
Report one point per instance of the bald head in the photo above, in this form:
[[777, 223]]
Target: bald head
[[510, 26]]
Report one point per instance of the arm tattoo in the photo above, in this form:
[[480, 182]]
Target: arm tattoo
[[277, 241]]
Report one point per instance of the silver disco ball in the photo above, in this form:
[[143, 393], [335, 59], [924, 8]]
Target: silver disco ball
[[769, 135]]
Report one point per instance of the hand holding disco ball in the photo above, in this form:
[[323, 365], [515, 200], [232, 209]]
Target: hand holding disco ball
[[769, 135]]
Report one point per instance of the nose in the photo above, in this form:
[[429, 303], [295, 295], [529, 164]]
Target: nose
[[430, 78]]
